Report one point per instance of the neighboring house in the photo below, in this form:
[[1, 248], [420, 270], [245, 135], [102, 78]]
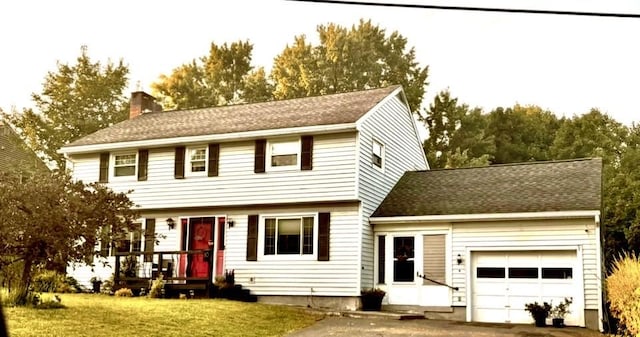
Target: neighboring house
[[494, 238], [15, 155], [280, 191]]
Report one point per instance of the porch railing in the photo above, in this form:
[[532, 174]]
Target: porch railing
[[177, 267]]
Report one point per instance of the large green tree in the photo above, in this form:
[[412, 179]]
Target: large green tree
[[53, 217], [361, 57], [522, 133], [456, 134], [224, 76], [76, 100]]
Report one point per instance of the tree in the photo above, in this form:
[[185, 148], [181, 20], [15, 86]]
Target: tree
[[522, 133], [457, 136], [347, 60], [50, 217], [224, 76], [76, 100], [588, 135]]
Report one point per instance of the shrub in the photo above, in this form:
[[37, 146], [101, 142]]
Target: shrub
[[47, 281], [156, 287], [107, 286], [562, 309], [124, 292], [623, 289]]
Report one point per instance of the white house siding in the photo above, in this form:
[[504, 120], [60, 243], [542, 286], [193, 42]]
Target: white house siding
[[393, 125], [103, 268], [543, 234], [293, 275], [332, 177]]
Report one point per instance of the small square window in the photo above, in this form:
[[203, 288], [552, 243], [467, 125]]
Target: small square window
[[377, 154], [124, 165]]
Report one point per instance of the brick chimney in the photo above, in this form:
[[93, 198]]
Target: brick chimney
[[141, 103]]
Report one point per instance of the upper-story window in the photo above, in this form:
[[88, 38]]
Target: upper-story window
[[124, 164], [377, 154], [197, 160], [283, 154]]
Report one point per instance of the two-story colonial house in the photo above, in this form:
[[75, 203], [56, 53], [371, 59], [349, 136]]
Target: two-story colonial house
[[281, 190], [311, 200]]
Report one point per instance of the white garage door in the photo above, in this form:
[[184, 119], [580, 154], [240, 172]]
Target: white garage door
[[503, 282]]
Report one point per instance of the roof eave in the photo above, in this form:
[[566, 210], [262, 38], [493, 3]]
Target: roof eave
[[487, 217], [224, 137]]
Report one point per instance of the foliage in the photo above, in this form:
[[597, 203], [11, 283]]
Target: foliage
[[52, 217], [48, 281], [224, 76], [90, 315], [347, 60], [21, 298], [623, 292], [129, 266], [521, 134], [107, 286], [123, 292], [156, 287], [373, 292], [538, 311], [561, 310], [457, 136], [76, 100]]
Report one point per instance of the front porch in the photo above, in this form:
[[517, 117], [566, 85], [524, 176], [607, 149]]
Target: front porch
[[184, 272]]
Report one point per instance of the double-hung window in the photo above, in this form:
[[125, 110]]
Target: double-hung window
[[377, 154], [124, 164], [288, 235], [284, 154], [197, 159]]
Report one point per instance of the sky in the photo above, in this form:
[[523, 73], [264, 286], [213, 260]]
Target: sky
[[567, 64]]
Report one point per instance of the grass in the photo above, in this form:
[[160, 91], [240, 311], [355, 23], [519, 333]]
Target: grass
[[101, 315]]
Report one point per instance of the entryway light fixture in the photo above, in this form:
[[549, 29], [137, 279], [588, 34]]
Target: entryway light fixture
[[230, 222], [459, 259], [171, 223]]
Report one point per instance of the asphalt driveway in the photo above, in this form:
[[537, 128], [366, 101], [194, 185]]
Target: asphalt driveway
[[382, 327]]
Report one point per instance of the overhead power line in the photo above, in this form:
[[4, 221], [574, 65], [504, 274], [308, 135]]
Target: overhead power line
[[476, 9]]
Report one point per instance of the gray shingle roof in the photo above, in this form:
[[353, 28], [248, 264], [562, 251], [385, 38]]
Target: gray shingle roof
[[14, 153], [308, 111], [528, 187]]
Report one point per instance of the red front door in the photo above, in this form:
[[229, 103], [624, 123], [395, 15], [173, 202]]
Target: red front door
[[200, 235]]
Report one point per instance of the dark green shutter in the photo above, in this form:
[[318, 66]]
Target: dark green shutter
[[381, 258], [306, 162], [104, 167], [214, 157], [324, 220], [178, 171], [143, 163], [252, 238], [149, 239], [260, 153]]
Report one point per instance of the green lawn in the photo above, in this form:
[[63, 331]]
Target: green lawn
[[101, 315]]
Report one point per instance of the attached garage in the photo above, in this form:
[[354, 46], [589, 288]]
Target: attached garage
[[504, 281], [513, 234]]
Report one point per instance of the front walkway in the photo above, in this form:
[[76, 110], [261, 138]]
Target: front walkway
[[365, 325]]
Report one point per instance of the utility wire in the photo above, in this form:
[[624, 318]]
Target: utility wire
[[475, 9]]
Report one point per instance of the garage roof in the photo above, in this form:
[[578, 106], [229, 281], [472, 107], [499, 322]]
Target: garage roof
[[569, 185]]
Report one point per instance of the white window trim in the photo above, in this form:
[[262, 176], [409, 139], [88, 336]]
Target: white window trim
[[287, 257], [295, 167], [382, 154], [112, 166], [187, 161]]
